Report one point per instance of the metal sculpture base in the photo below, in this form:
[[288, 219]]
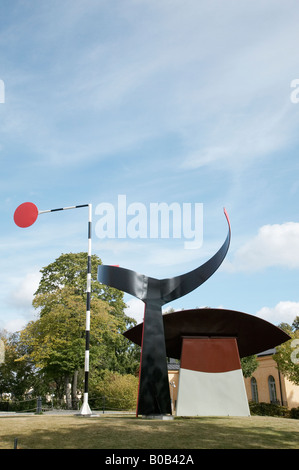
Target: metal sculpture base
[[85, 410]]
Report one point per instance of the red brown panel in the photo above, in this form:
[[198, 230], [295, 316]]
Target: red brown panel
[[210, 354]]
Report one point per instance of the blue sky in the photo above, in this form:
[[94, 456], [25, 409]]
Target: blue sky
[[160, 101]]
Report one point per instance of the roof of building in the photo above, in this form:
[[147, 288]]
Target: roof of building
[[173, 364], [268, 352]]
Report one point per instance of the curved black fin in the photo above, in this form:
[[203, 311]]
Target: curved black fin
[[146, 288]]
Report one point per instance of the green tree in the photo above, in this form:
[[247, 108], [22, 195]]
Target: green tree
[[249, 365], [56, 341], [70, 270], [16, 377], [295, 323], [286, 327], [287, 357]]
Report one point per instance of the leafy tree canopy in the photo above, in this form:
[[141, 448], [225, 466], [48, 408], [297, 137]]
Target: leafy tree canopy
[[16, 377], [70, 270], [295, 323], [249, 365], [287, 354], [55, 342]]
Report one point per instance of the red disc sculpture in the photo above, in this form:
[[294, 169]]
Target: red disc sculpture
[[26, 214]]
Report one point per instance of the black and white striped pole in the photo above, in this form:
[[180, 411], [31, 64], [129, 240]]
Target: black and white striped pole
[[24, 216]]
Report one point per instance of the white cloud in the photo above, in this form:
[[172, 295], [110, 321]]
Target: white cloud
[[15, 324], [283, 312], [22, 294], [274, 245], [135, 309], [240, 139], [144, 70], [19, 302]]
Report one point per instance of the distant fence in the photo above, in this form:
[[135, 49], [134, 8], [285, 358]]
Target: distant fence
[[28, 405], [43, 404]]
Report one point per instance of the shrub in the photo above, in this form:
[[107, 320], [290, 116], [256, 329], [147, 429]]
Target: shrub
[[268, 409], [294, 413], [115, 391]]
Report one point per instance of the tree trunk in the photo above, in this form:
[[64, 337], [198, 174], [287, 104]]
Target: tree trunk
[[74, 391]]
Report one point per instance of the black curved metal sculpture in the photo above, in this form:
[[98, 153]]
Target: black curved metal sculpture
[[154, 396]]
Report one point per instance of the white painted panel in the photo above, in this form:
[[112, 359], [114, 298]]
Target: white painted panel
[[212, 394]]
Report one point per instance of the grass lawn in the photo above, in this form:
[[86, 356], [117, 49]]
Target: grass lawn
[[128, 432]]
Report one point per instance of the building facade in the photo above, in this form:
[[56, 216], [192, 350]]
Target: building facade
[[269, 385]]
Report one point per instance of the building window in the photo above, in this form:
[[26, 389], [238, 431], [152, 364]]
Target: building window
[[254, 392], [272, 389]]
